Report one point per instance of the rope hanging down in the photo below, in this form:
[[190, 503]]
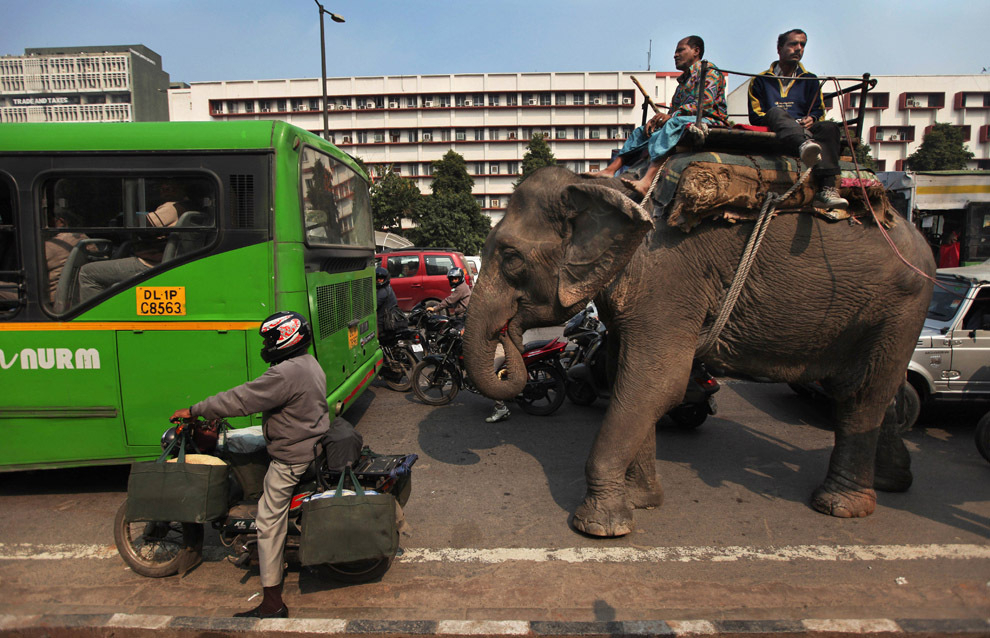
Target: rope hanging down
[[746, 262]]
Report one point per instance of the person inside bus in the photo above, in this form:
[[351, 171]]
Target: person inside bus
[[97, 276], [57, 249], [291, 396]]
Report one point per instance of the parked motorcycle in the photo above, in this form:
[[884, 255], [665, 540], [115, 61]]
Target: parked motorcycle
[[158, 549], [438, 377], [402, 350], [587, 374]]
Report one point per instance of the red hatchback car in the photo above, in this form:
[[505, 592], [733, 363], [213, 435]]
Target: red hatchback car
[[420, 274]]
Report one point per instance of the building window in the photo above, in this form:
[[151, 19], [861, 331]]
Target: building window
[[394, 137], [579, 132], [512, 134], [594, 167], [362, 137], [544, 99], [249, 106], [314, 104], [561, 98], [529, 99], [445, 135], [478, 99], [579, 98], [413, 170], [479, 134], [429, 102], [444, 102], [613, 132], [280, 106], [493, 169], [496, 202], [492, 100], [412, 101], [611, 99], [479, 168], [232, 107], [493, 134], [460, 135], [428, 135], [513, 168], [561, 134], [511, 100], [460, 100]]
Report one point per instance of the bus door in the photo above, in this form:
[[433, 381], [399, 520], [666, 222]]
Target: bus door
[[339, 252]]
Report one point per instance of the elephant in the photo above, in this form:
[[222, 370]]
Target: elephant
[[824, 301]]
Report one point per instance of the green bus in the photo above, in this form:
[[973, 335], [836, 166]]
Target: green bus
[[137, 261]]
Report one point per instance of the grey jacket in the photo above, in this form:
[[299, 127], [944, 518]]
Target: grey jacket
[[292, 399], [458, 300]]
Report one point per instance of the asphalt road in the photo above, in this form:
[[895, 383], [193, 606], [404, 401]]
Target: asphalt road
[[488, 534]]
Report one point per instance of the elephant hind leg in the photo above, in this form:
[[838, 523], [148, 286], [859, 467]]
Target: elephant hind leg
[[643, 488], [893, 461], [847, 491]]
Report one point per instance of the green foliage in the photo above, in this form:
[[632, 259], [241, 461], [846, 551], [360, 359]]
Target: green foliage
[[450, 175], [864, 158], [393, 198], [451, 219], [942, 149], [538, 155], [450, 216]]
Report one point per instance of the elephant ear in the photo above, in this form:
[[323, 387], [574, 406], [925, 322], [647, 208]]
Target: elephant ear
[[606, 228]]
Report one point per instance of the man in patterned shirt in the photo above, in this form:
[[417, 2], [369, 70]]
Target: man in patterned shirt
[[662, 133]]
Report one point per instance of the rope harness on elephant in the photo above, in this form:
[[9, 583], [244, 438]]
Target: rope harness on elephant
[[746, 262]]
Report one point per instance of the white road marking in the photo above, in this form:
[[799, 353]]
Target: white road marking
[[33, 551]]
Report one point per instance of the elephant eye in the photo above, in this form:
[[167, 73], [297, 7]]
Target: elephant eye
[[512, 264]]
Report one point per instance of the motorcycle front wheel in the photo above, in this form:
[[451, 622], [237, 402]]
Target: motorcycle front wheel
[[581, 393], [154, 549], [398, 372], [544, 392], [433, 383], [688, 416], [359, 572]]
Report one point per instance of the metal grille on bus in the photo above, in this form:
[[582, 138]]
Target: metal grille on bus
[[339, 304], [242, 200]]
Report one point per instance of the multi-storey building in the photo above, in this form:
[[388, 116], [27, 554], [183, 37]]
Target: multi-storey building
[[406, 122], [84, 84], [902, 108]]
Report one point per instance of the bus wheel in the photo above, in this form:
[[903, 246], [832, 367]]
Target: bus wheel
[[359, 572], [154, 549]]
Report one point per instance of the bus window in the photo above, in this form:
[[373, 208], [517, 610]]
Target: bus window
[[336, 205], [10, 267], [100, 231]]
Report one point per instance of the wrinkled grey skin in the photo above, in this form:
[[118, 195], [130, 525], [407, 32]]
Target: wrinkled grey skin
[[823, 301]]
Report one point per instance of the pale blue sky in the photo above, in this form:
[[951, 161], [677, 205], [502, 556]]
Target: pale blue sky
[[254, 39]]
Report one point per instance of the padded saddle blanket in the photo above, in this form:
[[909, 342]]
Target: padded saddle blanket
[[699, 185]]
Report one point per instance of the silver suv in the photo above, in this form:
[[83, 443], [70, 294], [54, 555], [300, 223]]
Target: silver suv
[[952, 358]]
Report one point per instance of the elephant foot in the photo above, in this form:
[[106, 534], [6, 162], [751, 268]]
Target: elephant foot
[[643, 493], [843, 503], [600, 517]]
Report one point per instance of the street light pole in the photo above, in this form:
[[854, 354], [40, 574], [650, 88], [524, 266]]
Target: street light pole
[[323, 63]]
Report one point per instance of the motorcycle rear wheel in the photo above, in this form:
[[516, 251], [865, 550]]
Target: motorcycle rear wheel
[[397, 374], [688, 416], [544, 392], [581, 393], [359, 572], [154, 549], [434, 384]]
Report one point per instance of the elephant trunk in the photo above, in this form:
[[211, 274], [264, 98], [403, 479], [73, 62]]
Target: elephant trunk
[[482, 334]]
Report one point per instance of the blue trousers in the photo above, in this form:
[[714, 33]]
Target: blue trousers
[[661, 142]]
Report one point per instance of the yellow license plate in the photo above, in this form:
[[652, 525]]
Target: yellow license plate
[[352, 336], [161, 301]]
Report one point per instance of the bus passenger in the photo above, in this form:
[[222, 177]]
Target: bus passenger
[[662, 133], [291, 396], [793, 110], [57, 251], [97, 276]]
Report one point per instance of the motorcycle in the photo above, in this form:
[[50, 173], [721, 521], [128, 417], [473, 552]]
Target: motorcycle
[[439, 376], [587, 374], [402, 350], [158, 549], [429, 326]]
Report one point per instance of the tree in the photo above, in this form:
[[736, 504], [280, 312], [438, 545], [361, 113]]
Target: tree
[[393, 198], [864, 158], [450, 175], [537, 156], [450, 216], [942, 149]]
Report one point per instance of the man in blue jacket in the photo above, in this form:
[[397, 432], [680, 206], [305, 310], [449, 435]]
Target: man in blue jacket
[[787, 99]]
